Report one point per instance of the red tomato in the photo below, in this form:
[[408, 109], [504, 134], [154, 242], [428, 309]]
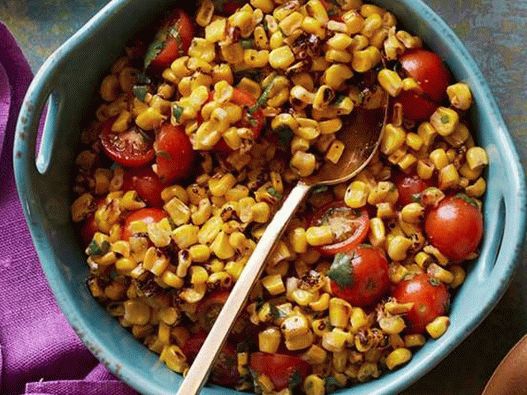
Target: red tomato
[[415, 106], [209, 308], [225, 371], [368, 277], [429, 71], [279, 368], [88, 229], [408, 186], [147, 215], [147, 185], [174, 153], [350, 226], [129, 149], [455, 227], [430, 297], [171, 41]]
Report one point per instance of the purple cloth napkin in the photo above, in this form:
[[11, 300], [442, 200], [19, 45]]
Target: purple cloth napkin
[[39, 352]]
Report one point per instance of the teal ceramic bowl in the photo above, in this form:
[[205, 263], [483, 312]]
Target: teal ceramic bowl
[[68, 82]]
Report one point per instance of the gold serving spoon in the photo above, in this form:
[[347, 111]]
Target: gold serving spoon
[[361, 135]]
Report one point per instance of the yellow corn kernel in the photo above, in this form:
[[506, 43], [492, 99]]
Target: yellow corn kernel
[[319, 235], [202, 49], [427, 132], [291, 23], [471, 175], [438, 327], [294, 325], [273, 284], [198, 275], [477, 189], [193, 295], [339, 312], [448, 177], [412, 213], [122, 122], [110, 88], [276, 40], [155, 261], [372, 23], [477, 158], [336, 56], [220, 279], [445, 121], [185, 235], [81, 207], [398, 247], [425, 169], [136, 312], [340, 41], [390, 81], [407, 161], [314, 385], [335, 151], [365, 59], [221, 246], [335, 340], [179, 212], [199, 253], [392, 325], [414, 141], [300, 342], [261, 212], [298, 240], [398, 357], [393, 139], [159, 233], [302, 297], [281, 58], [205, 13], [377, 234], [439, 158], [315, 355], [357, 194], [303, 163], [172, 280], [316, 9], [354, 21], [441, 259], [460, 96], [322, 304], [459, 276], [256, 59], [269, 340], [219, 185], [175, 191], [215, 31], [437, 272], [304, 80], [149, 119]]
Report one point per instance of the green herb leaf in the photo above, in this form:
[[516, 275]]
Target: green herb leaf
[[143, 79], [320, 189], [285, 135], [331, 384], [153, 50], [259, 302], [140, 92], [434, 282], [467, 199], [177, 111], [294, 380], [94, 249], [445, 119], [247, 43], [341, 271], [262, 100], [416, 198], [163, 154], [273, 192]]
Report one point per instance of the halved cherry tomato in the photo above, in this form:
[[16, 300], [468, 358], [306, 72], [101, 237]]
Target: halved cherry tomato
[[129, 149], [368, 279], [146, 183], [279, 368], [455, 227], [209, 308], [429, 71], [415, 106], [171, 41], [174, 153], [147, 215], [430, 298], [409, 186], [225, 370], [350, 226]]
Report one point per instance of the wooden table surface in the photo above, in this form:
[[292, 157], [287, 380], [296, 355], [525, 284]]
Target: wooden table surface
[[495, 32]]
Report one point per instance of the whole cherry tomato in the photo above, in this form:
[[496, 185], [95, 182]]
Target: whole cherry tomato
[[455, 227], [147, 215], [146, 183], [430, 298], [174, 154], [360, 276], [409, 187], [279, 368]]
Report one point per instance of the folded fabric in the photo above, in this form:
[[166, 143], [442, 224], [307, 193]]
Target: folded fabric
[[39, 352]]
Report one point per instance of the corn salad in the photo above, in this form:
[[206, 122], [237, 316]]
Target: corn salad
[[256, 98]]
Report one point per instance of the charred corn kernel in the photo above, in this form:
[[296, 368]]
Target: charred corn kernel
[[294, 325], [155, 261], [393, 139], [291, 23], [439, 158], [459, 136], [219, 186], [220, 279], [81, 207], [172, 280], [431, 196], [356, 194], [392, 325], [425, 169], [336, 149], [198, 275], [415, 340], [398, 247], [398, 357], [423, 260], [340, 360], [322, 304], [298, 240], [300, 342], [320, 326], [438, 327], [412, 213], [335, 340], [273, 284], [185, 235], [459, 276], [269, 340], [303, 163], [193, 295], [149, 119], [110, 88], [477, 189], [232, 53], [339, 312], [179, 212], [408, 40], [221, 246], [199, 253], [319, 235], [390, 81], [460, 96], [444, 121], [314, 385], [136, 312], [476, 158], [437, 272], [448, 177], [315, 355], [365, 59], [174, 358], [340, 41], [281, 58], [300, 96]]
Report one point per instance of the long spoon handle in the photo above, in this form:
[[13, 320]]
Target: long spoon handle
[[199, 371]]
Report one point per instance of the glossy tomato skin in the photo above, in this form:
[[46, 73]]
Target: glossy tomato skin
[[415, 106], [409, 185], [172, 47], [429, 71], [279, 367], [369, 274], [129, 149], [147, 215], [174, 154], [146, 183], [455, 227], [360, 222], [430, 297]]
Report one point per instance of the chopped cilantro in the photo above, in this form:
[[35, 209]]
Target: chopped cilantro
[[276, 313], [445, 119], [153, 50], [274, 193], [434, 282], [163, 154], [252, 74], [262, 100], [140, 92], [94, 249], [416, 198], [177, 111], [143, 79], [320, 189], [285, 135], [247, 43], [341, 271], [467, 199], [295, 379]]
